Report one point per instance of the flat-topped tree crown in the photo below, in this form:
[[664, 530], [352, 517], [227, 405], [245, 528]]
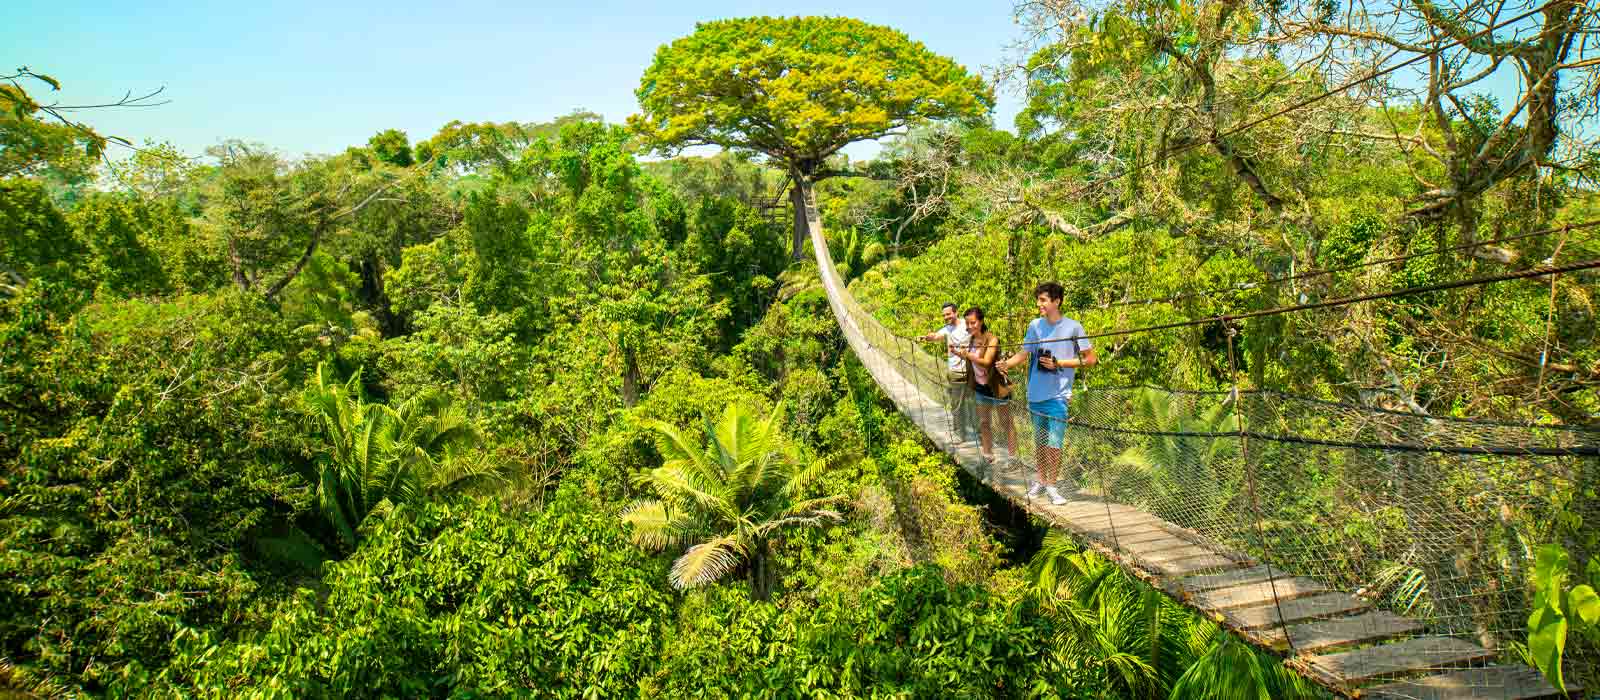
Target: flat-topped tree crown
[[797, 90]]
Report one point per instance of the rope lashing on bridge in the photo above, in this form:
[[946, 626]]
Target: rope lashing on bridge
[[1378, 550]]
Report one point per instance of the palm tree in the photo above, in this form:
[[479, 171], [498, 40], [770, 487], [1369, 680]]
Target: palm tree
[[1149, 645], [1230, 669], [375, 458], [728, 501], [1135, 632]]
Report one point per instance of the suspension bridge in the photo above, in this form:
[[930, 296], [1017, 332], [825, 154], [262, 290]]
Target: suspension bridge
[[1376, 552]]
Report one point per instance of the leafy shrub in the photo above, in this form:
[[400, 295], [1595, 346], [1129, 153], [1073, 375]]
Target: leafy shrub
[[464, 599], [154, 440]]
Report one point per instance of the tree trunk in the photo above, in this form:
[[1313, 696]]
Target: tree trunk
[[305, 257], [372, 294], [804, 201], [630, 377], [760, 576]]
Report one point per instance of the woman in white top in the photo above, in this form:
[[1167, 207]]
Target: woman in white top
[[986, 381]]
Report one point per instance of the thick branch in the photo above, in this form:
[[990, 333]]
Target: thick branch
[[316, 237]]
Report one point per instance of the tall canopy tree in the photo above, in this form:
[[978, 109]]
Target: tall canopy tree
[[797, 90]]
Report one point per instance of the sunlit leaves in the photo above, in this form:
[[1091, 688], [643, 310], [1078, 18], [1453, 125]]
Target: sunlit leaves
[[797, 89], [1556, 609], [728, 499]]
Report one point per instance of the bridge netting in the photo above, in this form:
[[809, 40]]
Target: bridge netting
[[1366, 545]]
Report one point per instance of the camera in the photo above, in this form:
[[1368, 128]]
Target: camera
[[1043, 354]]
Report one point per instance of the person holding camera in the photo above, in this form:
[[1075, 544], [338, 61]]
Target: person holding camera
[[1055, 347], [954, 334]]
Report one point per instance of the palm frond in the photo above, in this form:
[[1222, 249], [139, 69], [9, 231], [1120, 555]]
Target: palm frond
[[1228, 670], [813, 518], [657, 528], [706, 562], [673, 484], [678, 450], [453, 475], [803, 478]]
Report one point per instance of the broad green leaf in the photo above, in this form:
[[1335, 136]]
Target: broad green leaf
[[1547, 641], [1583, 602]]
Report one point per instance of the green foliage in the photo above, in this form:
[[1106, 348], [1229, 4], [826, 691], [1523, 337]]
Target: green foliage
[[1163, 469], [188, 508], [121, 233], [147, 445], [797, 89], [907, 634], [466, 599], [391, 146], [1146, 644], [729, 501], [471, 355], [375, 459], [35, 239], [1558, 608], [33, 141]]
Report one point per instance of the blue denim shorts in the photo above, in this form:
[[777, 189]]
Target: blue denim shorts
[[990, 400], [1049, 422]]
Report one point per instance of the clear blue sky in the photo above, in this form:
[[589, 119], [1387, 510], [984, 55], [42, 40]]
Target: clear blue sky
[[315, 77]]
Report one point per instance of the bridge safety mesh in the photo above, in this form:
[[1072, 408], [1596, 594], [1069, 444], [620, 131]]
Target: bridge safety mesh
[[1340, 527]]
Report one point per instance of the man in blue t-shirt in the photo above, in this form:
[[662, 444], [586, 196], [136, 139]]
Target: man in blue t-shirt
[[1055, 347]]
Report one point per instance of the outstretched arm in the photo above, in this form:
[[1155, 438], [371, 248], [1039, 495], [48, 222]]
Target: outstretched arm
[[1018, 358], [1084, 359]]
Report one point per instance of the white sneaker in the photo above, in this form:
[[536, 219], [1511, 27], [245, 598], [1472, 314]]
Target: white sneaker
[[1055, 496], [1035, 488]]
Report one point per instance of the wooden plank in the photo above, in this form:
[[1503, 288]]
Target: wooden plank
[[1173, 555], [1106, 528], [1095, 509], [1195, 565], [1169, 543], [1503, 682], [1259, 593], [1410, 656], [1144, 536], [1368, 627], [1270, 615], [1195, 584]]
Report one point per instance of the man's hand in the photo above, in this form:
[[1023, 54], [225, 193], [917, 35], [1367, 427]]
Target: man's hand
[[1048, 363]]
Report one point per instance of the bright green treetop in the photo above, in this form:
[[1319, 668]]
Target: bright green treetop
[[798, 89]]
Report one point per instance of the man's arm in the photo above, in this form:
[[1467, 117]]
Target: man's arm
[[1084, 359], [930, 337], [1023, 352], [1020, 357]]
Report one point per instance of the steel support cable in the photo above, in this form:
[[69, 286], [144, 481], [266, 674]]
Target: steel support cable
[[1549, 318], [1271, 281], [1540, 271], [1167, 153], [1463, 41], [1465, 450], [1477, 281]]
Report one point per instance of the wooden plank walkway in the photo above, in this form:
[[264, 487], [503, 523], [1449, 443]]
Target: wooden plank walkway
[[1334, 638]]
